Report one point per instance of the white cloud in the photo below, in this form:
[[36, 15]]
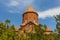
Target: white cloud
[[20, 2], [13, 3], [49, 13], [27, 2], [15, 6]]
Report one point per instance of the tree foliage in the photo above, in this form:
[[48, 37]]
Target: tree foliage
[[8, 32], [58, 26]]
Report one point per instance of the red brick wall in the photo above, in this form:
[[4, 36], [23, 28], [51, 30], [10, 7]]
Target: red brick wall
[[30, 17]]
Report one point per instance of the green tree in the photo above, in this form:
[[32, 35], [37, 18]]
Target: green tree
[[45, 27], [58, 26], [7, 21], [2, 31]]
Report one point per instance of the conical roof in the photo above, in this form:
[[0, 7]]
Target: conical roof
[[30, 8]]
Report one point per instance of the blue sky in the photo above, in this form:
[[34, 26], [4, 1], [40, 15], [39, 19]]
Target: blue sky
[[13, 10]]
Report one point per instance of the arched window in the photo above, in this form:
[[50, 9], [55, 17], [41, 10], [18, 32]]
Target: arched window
[[26, 20], [34, 20]]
